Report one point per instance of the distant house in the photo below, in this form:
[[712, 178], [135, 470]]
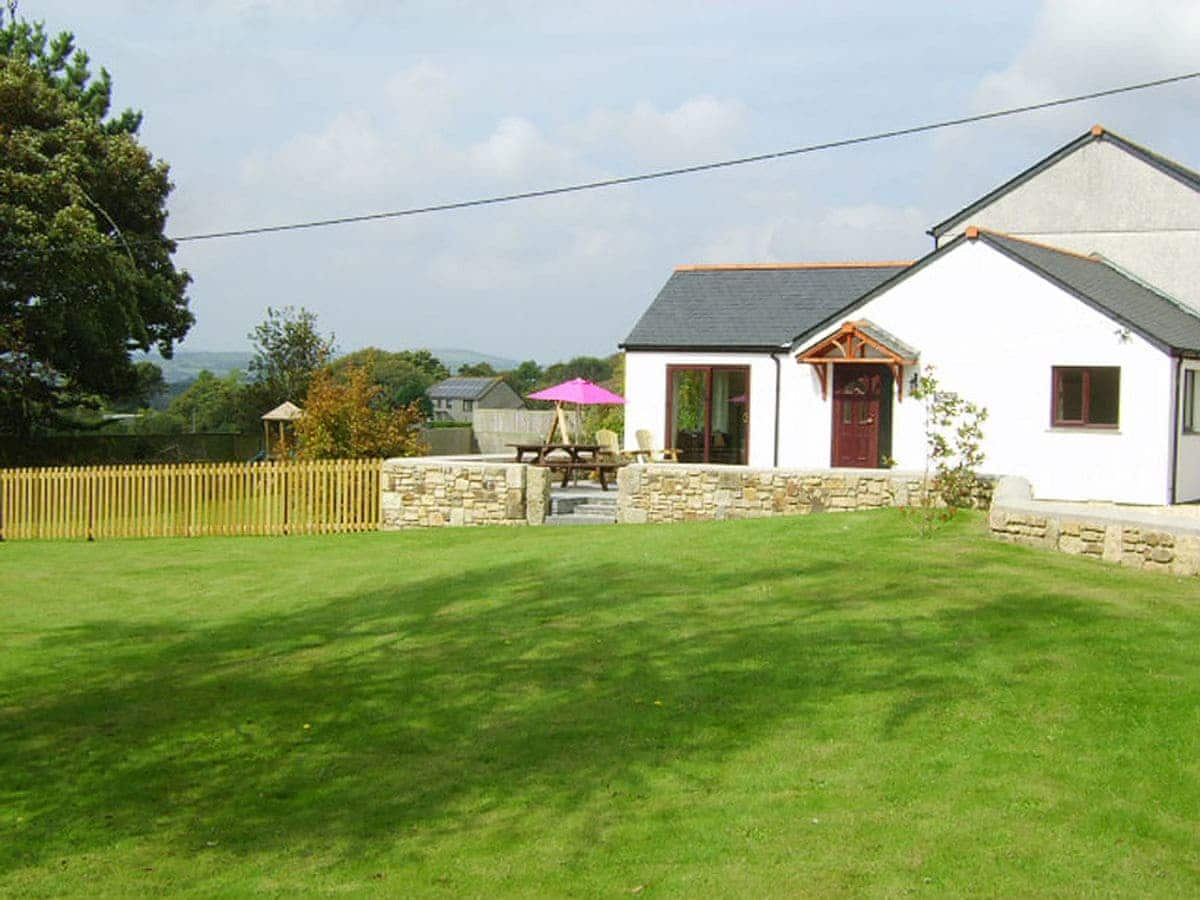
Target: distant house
[[1067, 301], [456, 399]]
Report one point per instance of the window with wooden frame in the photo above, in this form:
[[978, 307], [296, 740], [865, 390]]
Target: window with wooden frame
[[1189, 401], [1086, 396]]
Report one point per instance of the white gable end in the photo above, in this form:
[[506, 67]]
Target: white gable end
[[1101, 199], [994, 331]]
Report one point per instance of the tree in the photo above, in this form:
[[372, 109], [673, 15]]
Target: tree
[[212, 404], [476, 370], [148, 386], [86, 273], [590, 367], [525, 378], [402, 381], [344, 419], [288, 351], [424, 361]]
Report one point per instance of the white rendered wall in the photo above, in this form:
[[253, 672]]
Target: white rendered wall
[[1101, 199], [993, 330], [646, 395], [1187, 485]]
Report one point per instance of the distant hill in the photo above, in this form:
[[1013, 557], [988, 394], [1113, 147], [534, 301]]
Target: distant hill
[[452, 359], [185, 365]]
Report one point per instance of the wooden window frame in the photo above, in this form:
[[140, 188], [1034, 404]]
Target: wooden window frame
[[1056, 373], [709, 371]]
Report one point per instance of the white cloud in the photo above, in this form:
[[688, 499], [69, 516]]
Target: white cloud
[[423, 97], [855, 232], [697, 130], [516, 150], [1079, 46], [1076, 42]]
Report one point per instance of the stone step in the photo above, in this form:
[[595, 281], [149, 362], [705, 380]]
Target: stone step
[[573, 519], [567, 505], [596, 509]]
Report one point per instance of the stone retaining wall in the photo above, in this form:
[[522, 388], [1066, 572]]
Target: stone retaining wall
[[664, 492], [1155, 539], [432, 493]]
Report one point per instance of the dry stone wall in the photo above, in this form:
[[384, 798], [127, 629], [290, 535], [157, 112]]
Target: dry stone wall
[[1155, 539], [433, 493], [664, 492]]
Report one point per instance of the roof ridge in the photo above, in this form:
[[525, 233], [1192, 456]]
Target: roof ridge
[[1164, 164], [1140, 148], [731, 267]]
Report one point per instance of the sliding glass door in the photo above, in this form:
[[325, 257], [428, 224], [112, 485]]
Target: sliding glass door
[[708, 413]]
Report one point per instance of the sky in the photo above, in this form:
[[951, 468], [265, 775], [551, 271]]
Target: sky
[[272, 111]]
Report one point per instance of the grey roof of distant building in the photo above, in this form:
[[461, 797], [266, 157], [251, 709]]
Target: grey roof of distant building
[[750, 307], [463, 388], [1180, 173]]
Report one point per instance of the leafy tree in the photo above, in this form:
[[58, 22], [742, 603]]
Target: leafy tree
[[288, 352], [424, 361], [212, 404], [344, 419], [86, 273], [155, 422], [590, 367], [148, 386], [524, 378], [476, 370], [607, 416], [402, 381]]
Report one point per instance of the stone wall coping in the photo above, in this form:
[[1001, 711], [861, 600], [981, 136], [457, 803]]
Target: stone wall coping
[[1158, 518], [495, 460], [674, 468]]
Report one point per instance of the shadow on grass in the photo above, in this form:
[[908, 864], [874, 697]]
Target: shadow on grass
[[497, 693]]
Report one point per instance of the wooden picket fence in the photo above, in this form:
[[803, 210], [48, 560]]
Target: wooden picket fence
[[189, 500]]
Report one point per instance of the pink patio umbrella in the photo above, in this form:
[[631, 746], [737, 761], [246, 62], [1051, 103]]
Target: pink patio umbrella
[[579, 391]]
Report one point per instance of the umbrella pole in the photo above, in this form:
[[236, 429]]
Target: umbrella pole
[[561, 418]]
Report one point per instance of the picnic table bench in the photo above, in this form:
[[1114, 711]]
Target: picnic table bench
[[540, 453], [569, 459], [602, 468]]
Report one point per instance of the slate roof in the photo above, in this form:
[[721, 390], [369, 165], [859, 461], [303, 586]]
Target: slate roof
[[887, 339], [750, 308], [1155, 316], [1161, 320], [462, 388], [1169, 167]]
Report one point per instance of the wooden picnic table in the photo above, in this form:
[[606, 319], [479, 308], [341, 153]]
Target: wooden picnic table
[[571, 460], [576, 453]]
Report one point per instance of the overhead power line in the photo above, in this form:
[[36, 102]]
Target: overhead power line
[[684, 170]]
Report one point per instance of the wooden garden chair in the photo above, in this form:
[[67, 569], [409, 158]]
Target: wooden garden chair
[[646, 448]]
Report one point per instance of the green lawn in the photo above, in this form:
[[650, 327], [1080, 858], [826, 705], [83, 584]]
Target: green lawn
[[820, 705]]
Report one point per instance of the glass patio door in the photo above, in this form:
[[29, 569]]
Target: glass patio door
[[708, 413]]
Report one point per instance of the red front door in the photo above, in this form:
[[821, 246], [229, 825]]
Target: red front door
[[857, 394]]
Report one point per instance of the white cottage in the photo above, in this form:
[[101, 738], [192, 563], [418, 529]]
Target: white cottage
[[1088, 367]]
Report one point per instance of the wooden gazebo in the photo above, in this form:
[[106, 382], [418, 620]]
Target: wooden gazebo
[[284, 414]]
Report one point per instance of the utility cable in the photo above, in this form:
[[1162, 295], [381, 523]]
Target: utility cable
[[683, 170]]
